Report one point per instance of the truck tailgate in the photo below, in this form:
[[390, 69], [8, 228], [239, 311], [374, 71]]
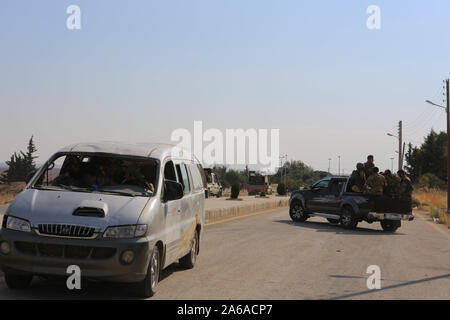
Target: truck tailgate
[[384, 204]]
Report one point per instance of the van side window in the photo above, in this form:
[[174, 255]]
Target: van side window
[[197, 181], [203, 175], [169, 171], [183, 177]]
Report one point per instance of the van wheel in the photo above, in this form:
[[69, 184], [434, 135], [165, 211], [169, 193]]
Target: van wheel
[[333, 221], [15, 281], [348, 219], [147, 287], [297, 212], [390, 225], [188, 261]]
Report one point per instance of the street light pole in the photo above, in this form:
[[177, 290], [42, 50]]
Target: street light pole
[[392, 164], [339, 166]]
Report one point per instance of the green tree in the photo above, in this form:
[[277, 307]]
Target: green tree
[[430, 157], [232, 176], [20, 164]]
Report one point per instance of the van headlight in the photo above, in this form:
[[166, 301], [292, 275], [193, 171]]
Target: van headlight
[[133, 231], [17, 224]]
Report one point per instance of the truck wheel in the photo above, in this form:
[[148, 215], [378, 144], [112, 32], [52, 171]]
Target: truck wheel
[[15, 281], [219, 194], [297, 212], [206, 194], [390, 225], [147, 287], [348, 219], [333, 221], [188, 261]]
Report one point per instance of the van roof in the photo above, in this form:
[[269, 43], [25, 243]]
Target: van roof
[[154, 150]]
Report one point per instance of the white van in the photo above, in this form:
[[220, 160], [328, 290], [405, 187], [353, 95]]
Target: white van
[[121, 212]]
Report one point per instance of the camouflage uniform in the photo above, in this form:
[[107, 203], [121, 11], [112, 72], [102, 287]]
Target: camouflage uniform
[[406, 187], [368, 166], [393, 185], [375, 184], [357, 180]]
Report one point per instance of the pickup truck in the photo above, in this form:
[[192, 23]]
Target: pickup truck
[[214, 188], [333, 199]]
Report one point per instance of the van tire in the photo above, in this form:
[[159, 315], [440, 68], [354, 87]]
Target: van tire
[[147, 287], [348, 219], [390, 225], [16, 281], [188, 261]]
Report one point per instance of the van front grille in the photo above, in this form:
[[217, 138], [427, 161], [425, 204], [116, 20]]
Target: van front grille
[[64, 251], [66, 230]]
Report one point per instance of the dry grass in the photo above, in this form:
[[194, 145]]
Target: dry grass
[[433, 200], [9, 191]]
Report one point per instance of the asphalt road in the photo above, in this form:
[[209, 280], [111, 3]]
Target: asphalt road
[[267, 256]]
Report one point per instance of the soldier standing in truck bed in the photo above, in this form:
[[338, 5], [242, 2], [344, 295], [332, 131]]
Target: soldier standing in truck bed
[[369, 165], [406, 188], [375, 184], [358, 178], [393, 184]]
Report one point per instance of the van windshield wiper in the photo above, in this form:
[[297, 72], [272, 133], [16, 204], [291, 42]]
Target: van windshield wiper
[[122, 193]]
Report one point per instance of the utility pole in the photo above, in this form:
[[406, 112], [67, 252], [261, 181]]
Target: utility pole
[[329, 165], [285, 170], [400, 158], [448, 146], [447, 109]]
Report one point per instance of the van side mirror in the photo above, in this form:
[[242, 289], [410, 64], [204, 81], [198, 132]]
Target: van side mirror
[[29, 176], [173, 190]]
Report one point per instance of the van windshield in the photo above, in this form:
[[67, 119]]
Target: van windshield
[[127, 176]]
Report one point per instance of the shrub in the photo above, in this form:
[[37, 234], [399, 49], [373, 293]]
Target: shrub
[[430, 181], [235, 190], [262, 194], [281, 189], [415, 202], [435, 213]]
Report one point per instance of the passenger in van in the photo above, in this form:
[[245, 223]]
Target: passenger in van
[[358, 178], [71, 174]]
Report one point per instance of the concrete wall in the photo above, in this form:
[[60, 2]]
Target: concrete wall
[[242, 208]]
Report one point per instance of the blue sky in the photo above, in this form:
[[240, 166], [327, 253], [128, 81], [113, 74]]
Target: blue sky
[[137, 70]]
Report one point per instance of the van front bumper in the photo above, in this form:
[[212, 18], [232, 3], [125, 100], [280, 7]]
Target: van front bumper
[[98, 258]]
